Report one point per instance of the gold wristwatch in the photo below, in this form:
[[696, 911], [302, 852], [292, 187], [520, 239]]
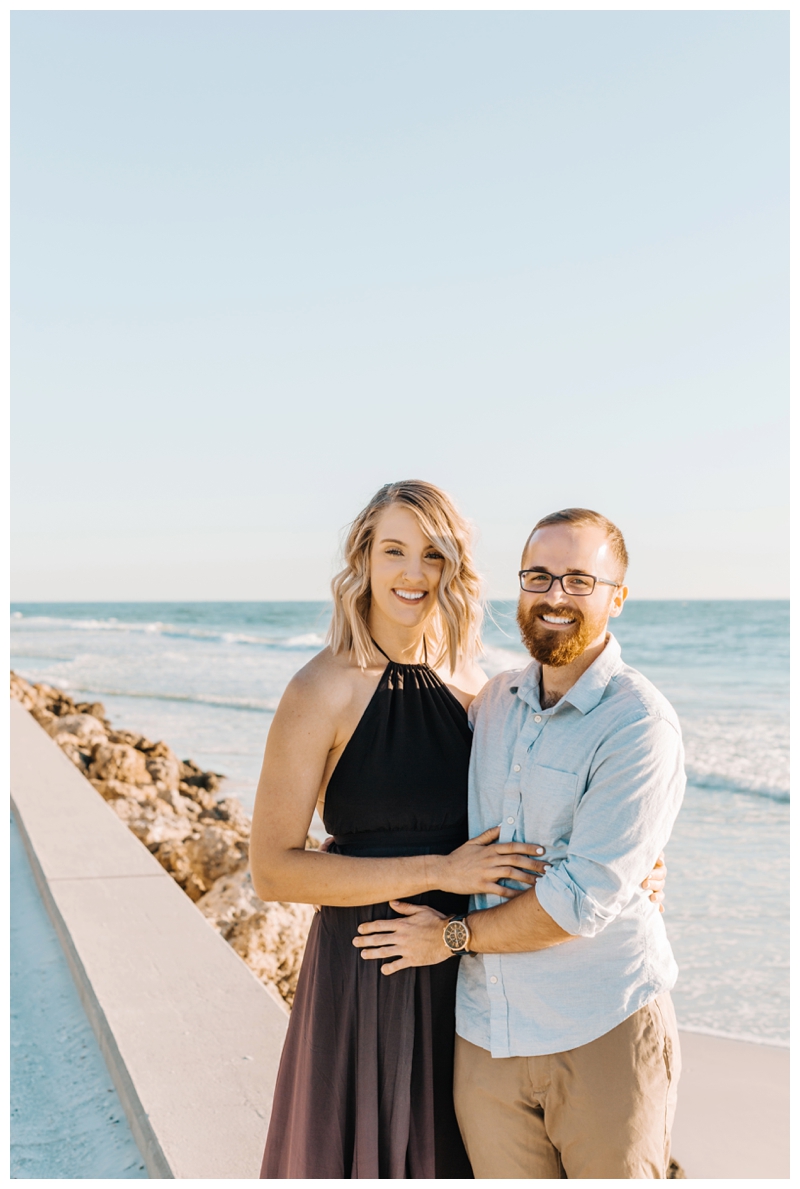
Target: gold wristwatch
[[456, 936]]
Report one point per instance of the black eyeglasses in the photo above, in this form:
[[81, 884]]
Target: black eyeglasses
[[539, 582]]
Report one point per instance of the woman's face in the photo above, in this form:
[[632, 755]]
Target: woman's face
[[405, 569]]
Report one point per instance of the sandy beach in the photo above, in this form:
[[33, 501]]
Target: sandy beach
[[733, 1109]]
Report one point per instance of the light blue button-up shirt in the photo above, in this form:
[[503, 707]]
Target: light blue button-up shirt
[[598, 781]]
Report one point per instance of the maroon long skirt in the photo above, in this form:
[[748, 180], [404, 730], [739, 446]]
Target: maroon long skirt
[[365, 1085]]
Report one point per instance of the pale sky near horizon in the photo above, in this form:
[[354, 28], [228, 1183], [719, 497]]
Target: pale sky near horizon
[[264, 262]]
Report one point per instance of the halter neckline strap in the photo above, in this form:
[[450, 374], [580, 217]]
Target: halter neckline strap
[[400, 664]]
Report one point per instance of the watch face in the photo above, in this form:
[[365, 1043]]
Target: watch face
[[455, 935]]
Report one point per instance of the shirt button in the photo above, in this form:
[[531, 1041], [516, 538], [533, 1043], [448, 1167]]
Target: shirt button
[[537, 718], [510, 821], [493, 979], [517, 767]]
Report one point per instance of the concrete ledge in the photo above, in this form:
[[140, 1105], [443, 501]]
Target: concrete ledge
[[191, 1038]]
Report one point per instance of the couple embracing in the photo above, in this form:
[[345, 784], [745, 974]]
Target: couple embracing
[[485, 988]]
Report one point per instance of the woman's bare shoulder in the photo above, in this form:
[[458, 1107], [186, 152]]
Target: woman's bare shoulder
[[328, 681]]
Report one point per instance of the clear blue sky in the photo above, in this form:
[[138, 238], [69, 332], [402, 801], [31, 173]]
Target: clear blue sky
[[264, 262]]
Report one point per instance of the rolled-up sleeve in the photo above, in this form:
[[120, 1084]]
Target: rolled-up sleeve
[[622, 820]]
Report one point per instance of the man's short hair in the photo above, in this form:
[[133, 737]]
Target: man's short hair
[[587, 516]]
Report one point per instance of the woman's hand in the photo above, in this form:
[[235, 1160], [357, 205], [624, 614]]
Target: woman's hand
[[412, 939], [656, 881], [479, 864]]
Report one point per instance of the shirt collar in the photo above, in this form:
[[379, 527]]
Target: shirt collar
[[587, 690]]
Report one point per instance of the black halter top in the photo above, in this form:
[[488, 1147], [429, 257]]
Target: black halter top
[[401, 782]]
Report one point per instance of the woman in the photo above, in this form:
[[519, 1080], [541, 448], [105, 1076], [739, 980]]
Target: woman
[[374, 732]]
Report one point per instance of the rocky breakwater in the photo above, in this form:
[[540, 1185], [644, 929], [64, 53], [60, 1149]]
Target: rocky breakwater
[[177, 811]]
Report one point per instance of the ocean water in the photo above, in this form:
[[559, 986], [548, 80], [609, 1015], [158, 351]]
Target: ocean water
[[207, 677]]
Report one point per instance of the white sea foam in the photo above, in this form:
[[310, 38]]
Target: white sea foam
[[233, 703], [177, 631], [496, 660], [743, 751]]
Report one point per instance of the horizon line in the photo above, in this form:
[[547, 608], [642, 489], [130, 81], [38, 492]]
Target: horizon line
[[494, 598]]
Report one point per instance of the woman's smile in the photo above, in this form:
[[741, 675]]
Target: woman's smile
[[409, 596]]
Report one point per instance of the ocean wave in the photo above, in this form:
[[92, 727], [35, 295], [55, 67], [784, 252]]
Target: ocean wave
[[172, 631], [265, 705], [497, 660], [21, 657], [719, 782]]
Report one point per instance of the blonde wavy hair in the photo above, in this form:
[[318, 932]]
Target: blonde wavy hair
[[454, 627]]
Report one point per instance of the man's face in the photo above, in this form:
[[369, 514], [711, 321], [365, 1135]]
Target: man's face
[[556, 627]]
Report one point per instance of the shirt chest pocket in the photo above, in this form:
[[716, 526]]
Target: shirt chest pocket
[[549, 799]]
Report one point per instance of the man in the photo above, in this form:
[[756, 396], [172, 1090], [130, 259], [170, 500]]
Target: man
[[567, 1056]]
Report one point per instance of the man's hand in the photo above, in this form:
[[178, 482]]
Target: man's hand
[[656, 882], [413, 939]]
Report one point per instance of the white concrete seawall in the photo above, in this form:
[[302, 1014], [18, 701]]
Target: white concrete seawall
[[191, 1038]]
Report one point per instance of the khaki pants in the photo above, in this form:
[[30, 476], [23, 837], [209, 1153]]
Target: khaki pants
[[602, 1110]]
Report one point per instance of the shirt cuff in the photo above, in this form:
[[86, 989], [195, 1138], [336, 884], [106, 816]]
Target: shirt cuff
[[569, 906]]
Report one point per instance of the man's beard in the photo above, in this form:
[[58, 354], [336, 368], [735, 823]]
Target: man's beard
[[559, 646]]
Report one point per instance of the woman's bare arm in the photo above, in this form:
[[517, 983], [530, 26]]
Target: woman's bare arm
[[306, 728]]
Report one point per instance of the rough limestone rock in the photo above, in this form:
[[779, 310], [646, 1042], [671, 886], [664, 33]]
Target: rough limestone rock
[[76, 734], [119, 761], [23, 691], [87, 729], [270, 938], [96, 709], [214, 852], [197, 861], [173, 857], [111, 790], [74, 750], [156, 825], [48, 693], [54, 700], [132, 738], [43, 716], [165, 769], [129, 809], [192, 774], [199, 796], [230, 811], [183, 806]]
